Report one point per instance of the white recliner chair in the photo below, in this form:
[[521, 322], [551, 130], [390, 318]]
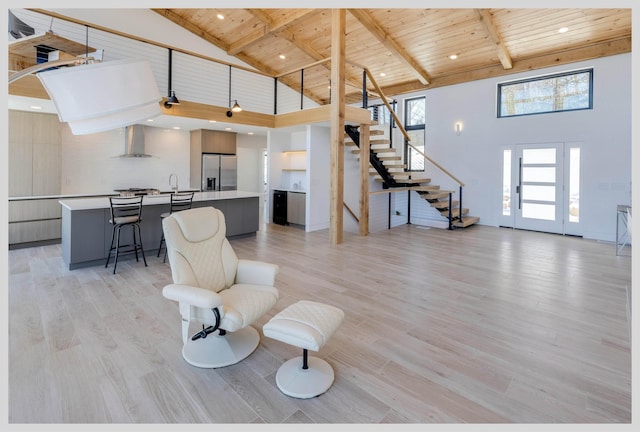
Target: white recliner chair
[[219, 295]]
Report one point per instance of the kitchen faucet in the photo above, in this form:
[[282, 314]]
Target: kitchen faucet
[[174, 188]]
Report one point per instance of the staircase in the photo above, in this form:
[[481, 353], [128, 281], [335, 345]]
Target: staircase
[[387, 168]]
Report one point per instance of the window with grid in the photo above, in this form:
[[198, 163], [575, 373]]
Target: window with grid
[[567, 91], [414, 124]]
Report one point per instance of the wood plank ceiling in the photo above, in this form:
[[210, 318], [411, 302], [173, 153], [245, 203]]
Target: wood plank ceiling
[[411, 47]]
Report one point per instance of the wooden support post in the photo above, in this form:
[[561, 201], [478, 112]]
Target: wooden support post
[[338, 29], [364, 180]]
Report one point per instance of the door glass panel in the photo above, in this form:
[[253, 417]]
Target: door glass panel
[[506, 183], [574, 184], [539, 193], [539, 174], [536, 156], [539, 211]]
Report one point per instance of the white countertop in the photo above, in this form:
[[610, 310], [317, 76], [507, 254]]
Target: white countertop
[[103, 202], [29, 198], [290, 190]]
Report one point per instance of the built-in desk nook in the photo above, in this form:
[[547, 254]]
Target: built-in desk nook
[[86, 231]]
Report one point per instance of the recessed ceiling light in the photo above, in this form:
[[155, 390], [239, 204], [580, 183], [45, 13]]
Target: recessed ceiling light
[[176, 127], [150, 120], [563, 29], [282, 56], [453, 56], [227, 128], [383, 74], [220, 16], [212, 121], [250, 133], [35, 107]]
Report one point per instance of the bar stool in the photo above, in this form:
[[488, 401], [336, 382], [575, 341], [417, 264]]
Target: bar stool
[[125, 211], [179, 201]]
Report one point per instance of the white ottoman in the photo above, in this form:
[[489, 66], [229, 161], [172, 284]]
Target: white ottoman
[[307, 325]]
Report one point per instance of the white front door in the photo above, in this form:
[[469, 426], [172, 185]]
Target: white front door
[[541, 187]]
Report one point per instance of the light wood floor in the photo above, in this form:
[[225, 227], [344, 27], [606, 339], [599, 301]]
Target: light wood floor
[[482, 325]]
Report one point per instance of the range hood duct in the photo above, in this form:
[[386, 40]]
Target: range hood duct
[[134, 141]]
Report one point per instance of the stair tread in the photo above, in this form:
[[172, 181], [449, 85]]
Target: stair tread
[[444, 204], [454, 212], [435, 194], [466, 221], [372, 142]]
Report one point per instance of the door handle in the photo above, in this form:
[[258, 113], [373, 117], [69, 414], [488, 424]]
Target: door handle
[[519, 184]]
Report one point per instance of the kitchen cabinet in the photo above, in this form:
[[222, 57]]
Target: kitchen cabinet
[[296, 207], [86, 231], [33, 220], [207, 141], [35, 151], [34, 164]]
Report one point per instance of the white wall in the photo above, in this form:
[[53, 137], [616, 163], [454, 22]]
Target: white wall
[[319, 177], [250, 150], [475, 156]]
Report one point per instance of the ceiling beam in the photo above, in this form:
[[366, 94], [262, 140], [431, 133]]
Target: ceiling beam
[[174, 17], [400, 53], [269, 25], [306, 48], [495, 37]]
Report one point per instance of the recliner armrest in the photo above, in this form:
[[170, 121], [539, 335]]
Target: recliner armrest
[[256, 272], [199, 297]]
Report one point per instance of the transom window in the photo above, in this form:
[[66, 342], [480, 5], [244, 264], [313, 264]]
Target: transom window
[[567, 91]]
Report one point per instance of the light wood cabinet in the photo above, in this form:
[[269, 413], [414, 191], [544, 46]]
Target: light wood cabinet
[[215, 141], [296, 207], [34, 154], [34, 220]]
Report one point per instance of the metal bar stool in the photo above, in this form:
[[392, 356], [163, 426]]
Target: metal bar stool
[[179, 201], [125, 211]]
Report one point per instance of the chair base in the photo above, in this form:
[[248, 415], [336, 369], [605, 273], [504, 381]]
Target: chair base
[[216, 351], [300, 383]]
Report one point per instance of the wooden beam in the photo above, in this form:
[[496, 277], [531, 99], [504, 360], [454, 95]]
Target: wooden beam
[[494, 36], [338, 39], [212, 112], [305, 48], [269, 25], [363, 202], [188, 25], [375, 29]]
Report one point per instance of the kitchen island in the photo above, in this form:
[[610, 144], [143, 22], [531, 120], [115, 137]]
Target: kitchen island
[[86, 231]]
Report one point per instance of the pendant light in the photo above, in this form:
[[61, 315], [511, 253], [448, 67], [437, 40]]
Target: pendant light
[[171, 97], [236, 106]]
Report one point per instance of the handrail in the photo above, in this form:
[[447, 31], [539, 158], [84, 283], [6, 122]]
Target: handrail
[[384, 99], [437, 165], [350, 211], [298, 69]]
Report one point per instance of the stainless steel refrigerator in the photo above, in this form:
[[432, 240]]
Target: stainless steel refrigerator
[[219, 172]]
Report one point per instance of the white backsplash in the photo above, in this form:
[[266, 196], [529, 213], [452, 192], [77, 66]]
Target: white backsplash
[[91, 163]]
